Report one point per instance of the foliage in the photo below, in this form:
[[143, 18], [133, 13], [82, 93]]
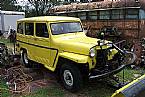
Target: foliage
[[10, 5], [40, 7]]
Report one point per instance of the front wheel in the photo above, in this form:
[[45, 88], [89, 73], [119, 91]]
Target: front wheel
[[71, 77]]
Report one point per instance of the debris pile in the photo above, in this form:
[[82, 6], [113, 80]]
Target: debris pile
[[19, 80], [16, 79]]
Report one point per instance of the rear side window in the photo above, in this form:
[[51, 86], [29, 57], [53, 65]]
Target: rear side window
[[29, 28], [20, 28], [41, 30]]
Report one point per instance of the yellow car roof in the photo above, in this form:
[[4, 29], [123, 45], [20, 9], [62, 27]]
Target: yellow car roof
[[50, 19]]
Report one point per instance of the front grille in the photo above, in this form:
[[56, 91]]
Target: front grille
[[102, 57]]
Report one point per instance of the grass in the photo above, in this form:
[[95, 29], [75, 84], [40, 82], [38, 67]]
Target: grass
[[4, 89], [5, 41], [129, 74], [98, 89], [52, 91]]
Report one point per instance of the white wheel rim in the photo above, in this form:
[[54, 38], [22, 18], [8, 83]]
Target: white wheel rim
[[25, 58], [68, 78]]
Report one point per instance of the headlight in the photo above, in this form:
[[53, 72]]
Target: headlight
[[110, 44], [92, 52], [101, 44]]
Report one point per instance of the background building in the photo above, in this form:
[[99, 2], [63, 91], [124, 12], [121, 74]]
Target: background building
[[87, 0]]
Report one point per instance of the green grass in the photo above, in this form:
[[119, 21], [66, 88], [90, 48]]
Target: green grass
[[98, 89], [129, 74], [4, 89], [6, 41], [52, 91]]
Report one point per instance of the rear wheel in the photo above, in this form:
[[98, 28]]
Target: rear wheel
[[71, 77], [24, 58]]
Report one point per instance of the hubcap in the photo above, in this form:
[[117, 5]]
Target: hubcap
[[68, 78]]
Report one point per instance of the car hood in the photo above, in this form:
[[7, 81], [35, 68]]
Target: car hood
[[75, 43]]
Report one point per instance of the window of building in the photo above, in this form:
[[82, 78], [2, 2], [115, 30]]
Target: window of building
[[92, 15], [104, 14], [41, 30], [141, 14], [20, 28], [132, 14], [82, 15], [72, 14], [117, 14], [29, 28], [62, 14]]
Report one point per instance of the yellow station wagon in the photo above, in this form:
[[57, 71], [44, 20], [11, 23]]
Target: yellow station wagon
[[60, 44]]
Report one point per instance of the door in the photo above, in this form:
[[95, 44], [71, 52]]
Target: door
[[42, 44], [28, 43]]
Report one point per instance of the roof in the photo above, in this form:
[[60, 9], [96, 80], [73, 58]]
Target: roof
[[11, 12], [50, 18], [119, 8]]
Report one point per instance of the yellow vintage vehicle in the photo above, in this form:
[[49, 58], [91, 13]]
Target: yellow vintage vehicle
[[60, 44]]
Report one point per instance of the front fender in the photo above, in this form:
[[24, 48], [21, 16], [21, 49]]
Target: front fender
[[74, 57]]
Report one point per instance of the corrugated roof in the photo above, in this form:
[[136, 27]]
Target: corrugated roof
[[98, 9]]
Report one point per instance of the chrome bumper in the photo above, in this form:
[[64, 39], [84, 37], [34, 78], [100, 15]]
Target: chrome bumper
[[109, 73]]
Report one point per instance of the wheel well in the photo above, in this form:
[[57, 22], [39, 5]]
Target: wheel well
[[23, 49], [84, 68]]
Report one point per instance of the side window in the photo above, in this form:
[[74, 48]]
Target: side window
[[63, 14], [41, 30], [104, 14], [82, 15], [132, 14], [142, 14], [92, 15], [20, 28], [72, 14], [117, 14], [29, 28]]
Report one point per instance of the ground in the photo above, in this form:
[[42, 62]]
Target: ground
[[45, 84]]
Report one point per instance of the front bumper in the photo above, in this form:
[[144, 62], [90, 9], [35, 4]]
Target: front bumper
[[128, 59], [108, 73]]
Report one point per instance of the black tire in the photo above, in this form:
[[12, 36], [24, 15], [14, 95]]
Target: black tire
[[77, 81], [24, 58]]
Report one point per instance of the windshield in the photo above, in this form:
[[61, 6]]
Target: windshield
[[68, 27]]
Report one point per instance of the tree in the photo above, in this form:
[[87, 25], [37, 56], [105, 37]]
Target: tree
[[9, 5], [41, 6]]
